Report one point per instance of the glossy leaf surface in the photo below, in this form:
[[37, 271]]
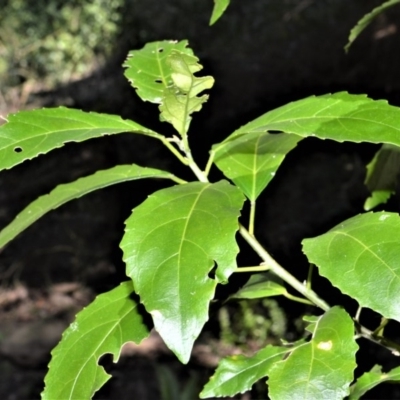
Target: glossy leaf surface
[[101, 328], [367, 19], [382, 175], [321, 369], [340, 116], [251, 160], [28, 134], [259, 286], [172, 242], [64, 193], [369, 380], [360, 257], [181, 99], [237, 374], [219, 8], [149, 72]]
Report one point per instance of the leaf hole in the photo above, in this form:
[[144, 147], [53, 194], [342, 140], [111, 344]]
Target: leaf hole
[[158, 80], [211, 274], [18, 149], [160, 50]]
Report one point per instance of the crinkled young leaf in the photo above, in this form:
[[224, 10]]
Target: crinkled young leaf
[[259, 286], [172, 241], [366, 20], [237, 374], [371, 379], [28, 134], [340, 116], [382, 175], [251, 160], [360, 257], [219, 8], [181, 99], [69, 191], [321, 369], [148, 71], [101, 328]]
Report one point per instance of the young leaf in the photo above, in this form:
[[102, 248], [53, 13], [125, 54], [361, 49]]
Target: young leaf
[[359, 256], [237, 374], [340, 116], [181, 99], [172, 242], [382, 175], [321, 369], [371, 379], [28, 134], [252, 160], [260, 286], [101, 328], [219, 8], [366, 20], [148, 71], [64, 193]]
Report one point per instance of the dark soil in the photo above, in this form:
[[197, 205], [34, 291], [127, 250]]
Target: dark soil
[[262, 54]]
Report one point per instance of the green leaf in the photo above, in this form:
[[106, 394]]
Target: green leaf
[[366, 20], [66, 192], [360, 257], [251, 160], [101, 328], [260, 286], [371, 379], [28, 134], [148, 71], [181, 99], [237, 374], [322, 368], [219, 8], [312, 321], [171, 243], [339, 116], [382, 175]]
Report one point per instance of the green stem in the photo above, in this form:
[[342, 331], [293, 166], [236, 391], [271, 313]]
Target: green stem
[[177, 180], [298, 299], [280, 271], [379, 330], [358, 314], [174, 151], [252, 217], [196, 170], [258, 268], [209, 163], [382, 341]]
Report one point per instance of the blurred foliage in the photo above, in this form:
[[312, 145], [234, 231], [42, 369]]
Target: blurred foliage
[[55, 40], [257, 321]]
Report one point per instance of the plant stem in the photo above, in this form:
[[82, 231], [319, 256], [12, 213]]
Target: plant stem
[[280, 271], [209, 163], [382, 341], [258, 268], [174, 151], [196, 170], [309, 276], [252, 217], [177, 180], [298, 299], [379, 330]]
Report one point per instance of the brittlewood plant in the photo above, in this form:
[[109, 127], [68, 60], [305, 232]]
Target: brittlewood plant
[[180, 243], [178, 235]]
